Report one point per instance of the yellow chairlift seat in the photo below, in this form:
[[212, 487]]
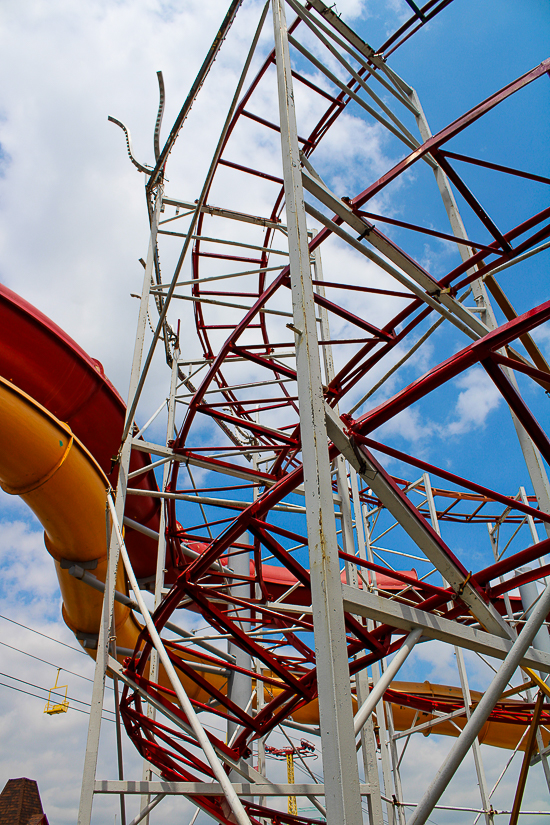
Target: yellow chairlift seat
[[53, 707]]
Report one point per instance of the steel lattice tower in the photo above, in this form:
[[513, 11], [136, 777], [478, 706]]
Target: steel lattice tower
[[279, 546]]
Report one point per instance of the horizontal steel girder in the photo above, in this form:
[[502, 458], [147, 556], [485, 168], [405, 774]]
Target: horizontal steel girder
[[118, 786], [406, 617]]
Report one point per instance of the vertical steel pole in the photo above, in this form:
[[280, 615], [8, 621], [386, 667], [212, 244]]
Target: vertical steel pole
[[159, 573], [324, 328], [361, 679], [335, 708], [261, 741], [395, 764], [368, 743], [260, 697], [380, 708], [118, 736], [529, 594], [239, 686], [463, 676], [346, 520], [98, 691], [540, 743], [531, 522], [494, 547]]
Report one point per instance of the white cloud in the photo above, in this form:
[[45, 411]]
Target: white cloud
[[542, 337], [409, 424], [476, 401]]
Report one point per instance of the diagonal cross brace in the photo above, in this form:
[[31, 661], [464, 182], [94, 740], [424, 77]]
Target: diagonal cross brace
[[423, 535], [319, 190]]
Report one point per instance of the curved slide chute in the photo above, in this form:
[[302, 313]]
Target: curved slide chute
[[60, 425]]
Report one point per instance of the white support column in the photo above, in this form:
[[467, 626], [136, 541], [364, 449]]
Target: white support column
[[494, 547], [159, 573], [260, 698], [380, 708], [529, 594], [366, 730], [324, 328], [239, 686], [98, 691], [463, 676], [335, 708], [532, 527], [368, 743], [346, 520]]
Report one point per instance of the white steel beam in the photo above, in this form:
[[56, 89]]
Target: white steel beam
[[483, 710], [384, 682], [94, 727], [368, 742], [335, 707], [116, 786], [406, 617], [239, 685], [159, 573]]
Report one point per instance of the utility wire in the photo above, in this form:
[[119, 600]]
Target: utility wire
[[51, 638], [38, 659], [36, 696], [50, 692]]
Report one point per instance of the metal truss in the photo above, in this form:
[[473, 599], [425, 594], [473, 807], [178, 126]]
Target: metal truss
[[282, 519]]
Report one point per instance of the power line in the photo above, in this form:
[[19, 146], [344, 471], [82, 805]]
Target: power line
[[45, 635], [38, 659], [51, 692], [36, 696]]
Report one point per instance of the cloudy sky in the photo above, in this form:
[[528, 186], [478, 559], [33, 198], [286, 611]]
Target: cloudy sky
[[73, 226]]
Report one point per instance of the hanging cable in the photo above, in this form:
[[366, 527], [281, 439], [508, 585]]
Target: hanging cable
[[39, 687], [36, 696], [38, 659], [51, 638]]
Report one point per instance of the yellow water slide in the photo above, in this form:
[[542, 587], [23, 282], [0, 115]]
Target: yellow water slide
[[52, 471]]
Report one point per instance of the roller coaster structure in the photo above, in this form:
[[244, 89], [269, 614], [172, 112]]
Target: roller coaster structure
[[274, 416], [276, 382]]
